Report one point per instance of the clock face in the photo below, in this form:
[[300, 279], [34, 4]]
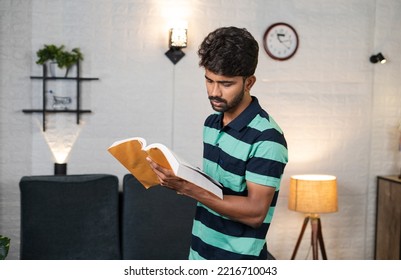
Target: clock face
[[280, 41]]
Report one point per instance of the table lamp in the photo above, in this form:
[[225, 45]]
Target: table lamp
[[312, 195]]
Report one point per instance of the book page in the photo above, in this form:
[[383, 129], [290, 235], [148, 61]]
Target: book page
[[200, 179], [140, 139], [217, 183]]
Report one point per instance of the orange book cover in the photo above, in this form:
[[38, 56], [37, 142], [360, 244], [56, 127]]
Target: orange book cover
[[132, 153]]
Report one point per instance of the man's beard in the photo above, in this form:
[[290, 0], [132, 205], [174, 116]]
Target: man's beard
[[225, 106]]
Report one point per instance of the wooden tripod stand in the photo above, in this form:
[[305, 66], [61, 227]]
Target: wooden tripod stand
[[316, 237]]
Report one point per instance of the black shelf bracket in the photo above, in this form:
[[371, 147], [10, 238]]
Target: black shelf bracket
[[78, 79]]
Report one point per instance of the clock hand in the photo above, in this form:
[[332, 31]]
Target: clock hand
[[284, 42], [280, 35]]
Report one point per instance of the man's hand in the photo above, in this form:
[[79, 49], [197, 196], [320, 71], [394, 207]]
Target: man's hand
[[166, 177], [250, 210]]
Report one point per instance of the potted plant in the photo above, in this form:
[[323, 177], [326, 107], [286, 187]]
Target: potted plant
[[57, 55], [48, 53], [4, 247], [66, 59]]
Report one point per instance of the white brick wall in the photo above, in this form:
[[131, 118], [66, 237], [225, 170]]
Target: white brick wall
[[339, 112]]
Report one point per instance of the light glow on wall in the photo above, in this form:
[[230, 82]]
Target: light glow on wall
[[61, 141], [175, 14]]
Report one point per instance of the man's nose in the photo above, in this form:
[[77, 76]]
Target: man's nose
[[214, 90]]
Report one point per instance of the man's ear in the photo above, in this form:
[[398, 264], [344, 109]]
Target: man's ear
[[249, 82]]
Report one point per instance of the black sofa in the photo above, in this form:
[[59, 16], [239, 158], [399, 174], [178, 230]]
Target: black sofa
[[86, 217]]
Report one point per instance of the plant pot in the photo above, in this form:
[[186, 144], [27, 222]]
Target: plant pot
[[56, 71], [71, 71]]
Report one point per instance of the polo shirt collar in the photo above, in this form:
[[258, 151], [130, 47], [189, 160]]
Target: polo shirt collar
[[246, 116]]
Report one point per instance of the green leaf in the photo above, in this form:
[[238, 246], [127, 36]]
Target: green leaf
[[64, 58], [4, 247]]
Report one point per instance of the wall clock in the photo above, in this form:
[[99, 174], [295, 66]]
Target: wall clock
[[280, 41]]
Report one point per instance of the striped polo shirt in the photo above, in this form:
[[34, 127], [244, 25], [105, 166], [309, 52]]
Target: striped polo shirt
[[252, 148]]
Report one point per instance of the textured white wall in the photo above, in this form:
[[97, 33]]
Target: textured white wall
[[339, 112]]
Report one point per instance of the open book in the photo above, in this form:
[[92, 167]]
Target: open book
[[132, 153]]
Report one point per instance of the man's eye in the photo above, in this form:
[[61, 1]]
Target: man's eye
[[227, 84]]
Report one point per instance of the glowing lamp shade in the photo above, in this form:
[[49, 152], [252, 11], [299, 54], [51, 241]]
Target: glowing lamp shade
[[178, 40], [178, 37], [313, 194]]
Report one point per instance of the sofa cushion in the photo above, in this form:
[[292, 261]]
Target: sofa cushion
[[70, 217], [157, 222]]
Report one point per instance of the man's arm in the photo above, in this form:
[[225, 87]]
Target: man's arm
[[250, 210]]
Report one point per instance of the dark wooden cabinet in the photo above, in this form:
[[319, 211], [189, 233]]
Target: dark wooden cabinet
[[388, 218]]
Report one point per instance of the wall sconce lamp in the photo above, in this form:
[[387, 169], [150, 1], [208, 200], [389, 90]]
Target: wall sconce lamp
[[378, 58], [313, 194], [177, 41]]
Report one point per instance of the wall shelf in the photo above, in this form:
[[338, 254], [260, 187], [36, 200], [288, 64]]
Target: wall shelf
[[45, 78]]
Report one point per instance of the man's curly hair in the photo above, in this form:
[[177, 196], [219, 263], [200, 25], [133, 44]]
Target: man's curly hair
[[229, 51]]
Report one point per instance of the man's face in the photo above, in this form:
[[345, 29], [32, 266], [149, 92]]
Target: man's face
[[225, 93]]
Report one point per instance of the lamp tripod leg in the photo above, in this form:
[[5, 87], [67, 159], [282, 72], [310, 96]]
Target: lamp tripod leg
[[321, 242], [306, 220], [317, 236], [314, 238]]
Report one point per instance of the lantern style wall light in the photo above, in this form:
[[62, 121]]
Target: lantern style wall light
[[177, 41], [312, 195]]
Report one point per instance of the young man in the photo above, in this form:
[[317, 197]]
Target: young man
[[244, 149]]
